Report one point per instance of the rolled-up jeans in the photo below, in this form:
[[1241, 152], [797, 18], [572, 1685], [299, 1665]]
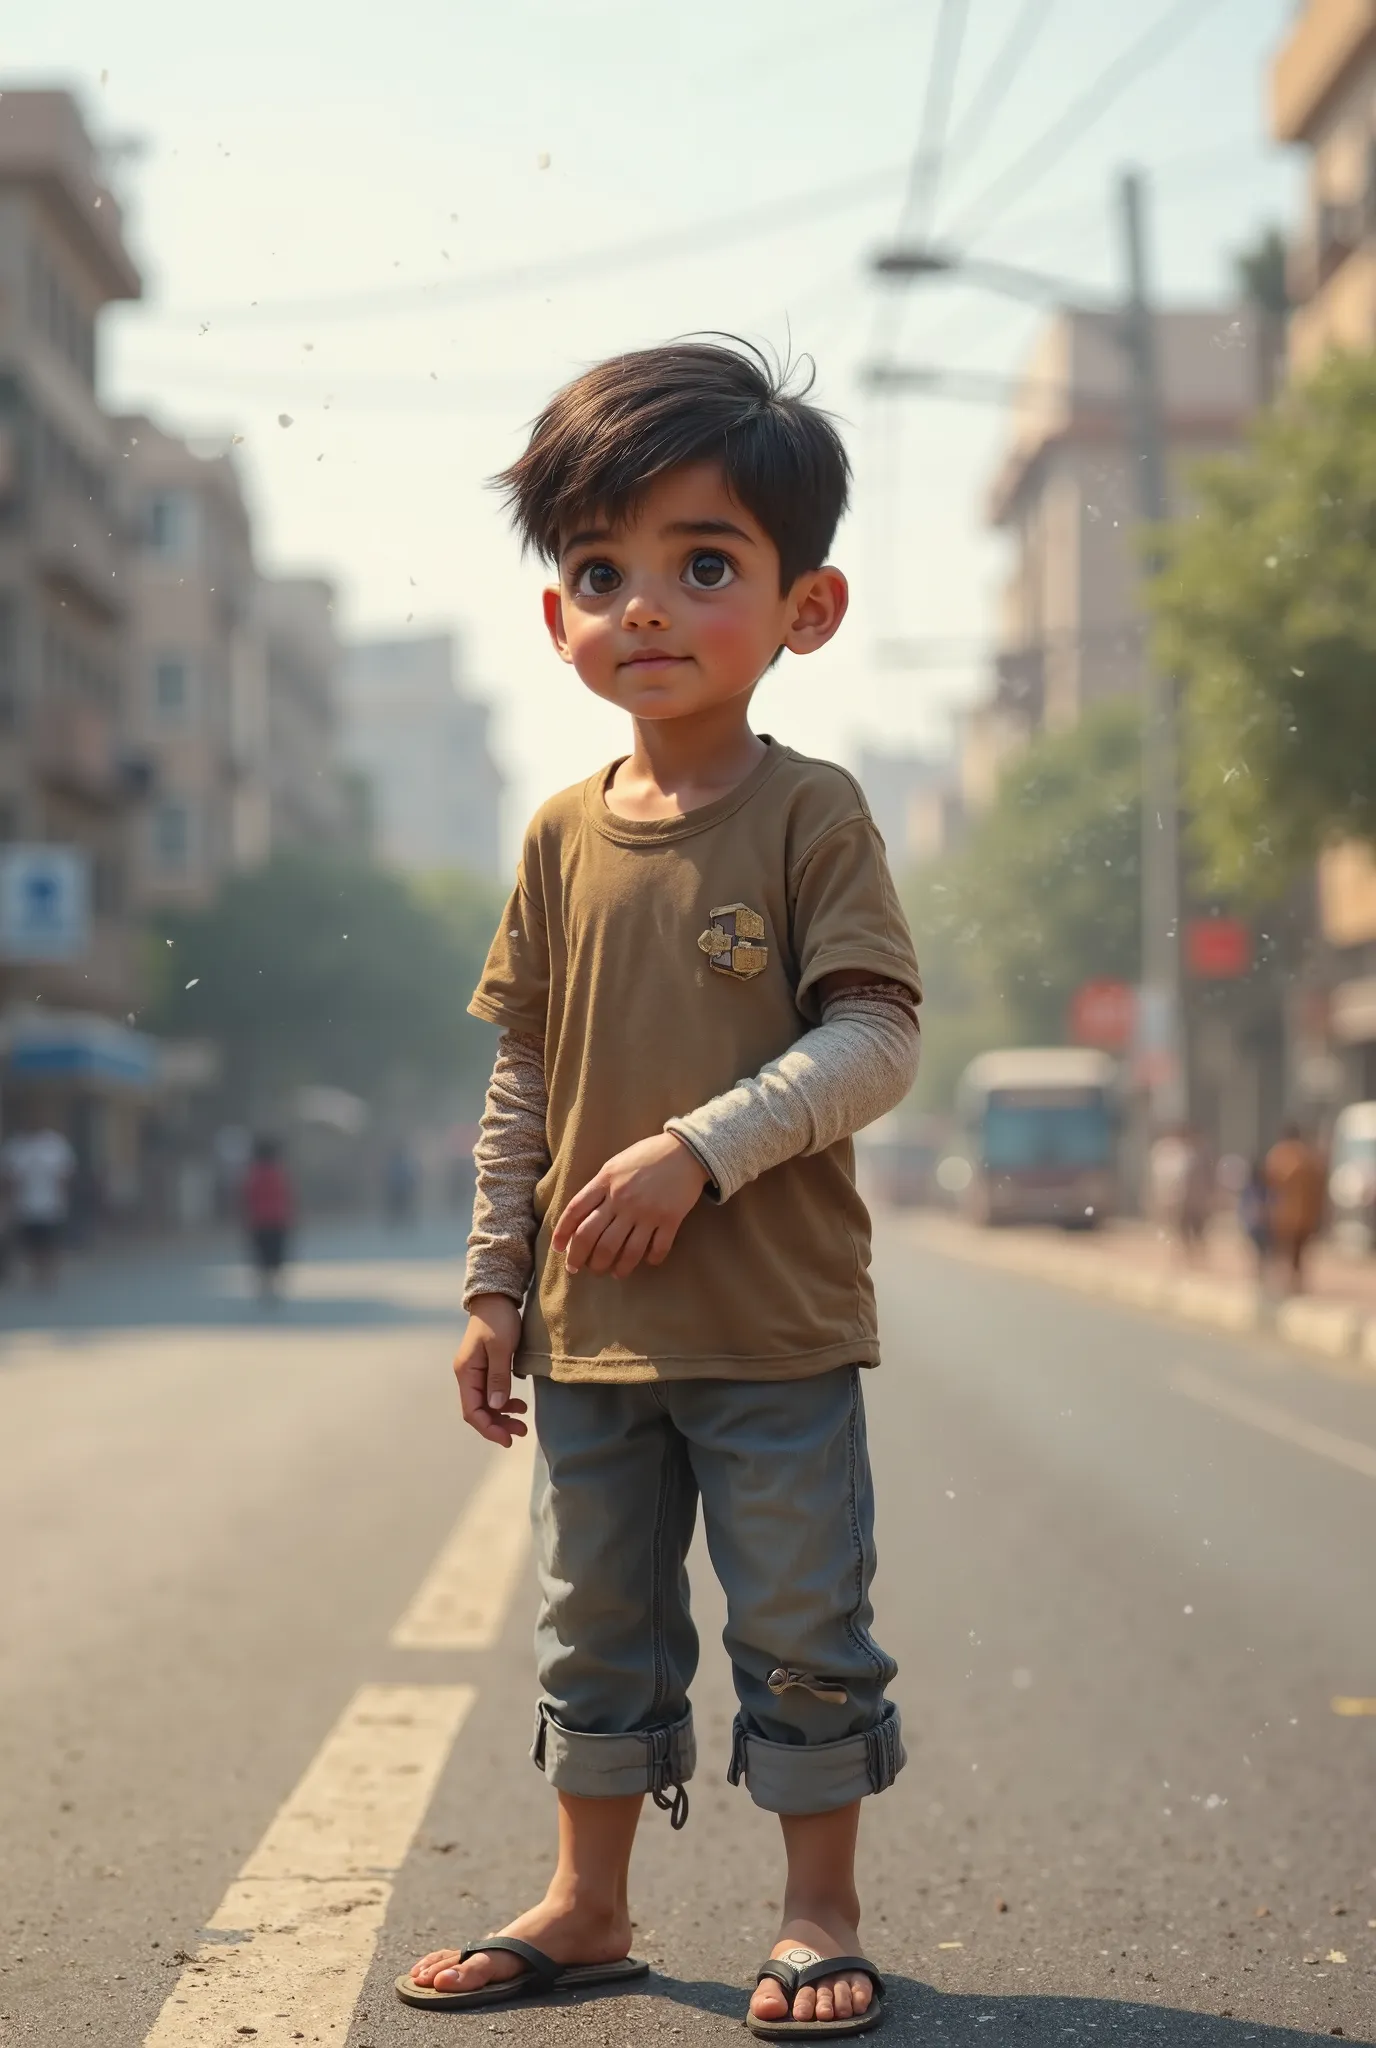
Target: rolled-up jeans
[[782, 1470]]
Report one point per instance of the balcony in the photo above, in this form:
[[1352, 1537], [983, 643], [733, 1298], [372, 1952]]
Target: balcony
[[75, 547], [75, 752], [1340, 315], [1329, 38]]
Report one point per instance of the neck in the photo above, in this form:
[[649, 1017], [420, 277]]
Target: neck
[[711, 749]]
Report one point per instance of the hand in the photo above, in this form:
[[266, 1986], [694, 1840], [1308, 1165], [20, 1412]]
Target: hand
[[632, 1209], [483, 1369]]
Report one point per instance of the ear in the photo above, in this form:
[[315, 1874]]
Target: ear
[[818, 601], [553, 601]]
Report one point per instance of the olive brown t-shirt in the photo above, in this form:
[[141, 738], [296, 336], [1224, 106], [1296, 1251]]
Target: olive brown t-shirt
[[661, 961]]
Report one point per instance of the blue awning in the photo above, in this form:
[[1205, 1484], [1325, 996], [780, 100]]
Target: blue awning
[[78, 1047]]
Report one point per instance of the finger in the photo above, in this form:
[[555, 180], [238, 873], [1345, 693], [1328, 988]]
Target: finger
[[497, 1380], [585, 1237], [633, 1251], [571, 1215], [472, 1379], [608, 1246], [661, 1244]]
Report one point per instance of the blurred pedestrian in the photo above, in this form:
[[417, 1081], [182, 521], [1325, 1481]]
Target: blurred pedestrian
[[1182, 1187], [1295, 1176], [269, 1209], [1254, 1214], [400, 1183], [39, 1167]]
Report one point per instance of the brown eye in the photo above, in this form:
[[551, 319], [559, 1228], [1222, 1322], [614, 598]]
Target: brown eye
[[597, 579], [707, 570]]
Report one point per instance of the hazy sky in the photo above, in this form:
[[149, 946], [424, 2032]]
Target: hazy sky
[[348, 167]]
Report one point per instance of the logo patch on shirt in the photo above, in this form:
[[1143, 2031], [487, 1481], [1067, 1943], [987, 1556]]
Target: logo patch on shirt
[[732, 941]]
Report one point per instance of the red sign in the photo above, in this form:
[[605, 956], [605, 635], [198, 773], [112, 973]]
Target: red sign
[[1218, 948], [1104, 1014]]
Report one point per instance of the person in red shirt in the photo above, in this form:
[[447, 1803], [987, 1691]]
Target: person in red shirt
[[269, 1211]]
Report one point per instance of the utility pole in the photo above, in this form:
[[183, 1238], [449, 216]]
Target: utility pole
[[1161, 1030], [1161, 1033]]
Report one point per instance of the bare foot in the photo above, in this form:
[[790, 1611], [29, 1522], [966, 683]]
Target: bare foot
[[835, 1998], [568, 1932]]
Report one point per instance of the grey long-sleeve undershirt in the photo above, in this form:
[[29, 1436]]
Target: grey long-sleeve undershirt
[[859, 1062]]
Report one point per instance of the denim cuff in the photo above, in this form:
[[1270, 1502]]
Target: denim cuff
[[817, 1777], [654, 1760]]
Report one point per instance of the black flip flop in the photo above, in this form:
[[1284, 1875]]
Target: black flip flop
[[804, 1966], [541, 1974]]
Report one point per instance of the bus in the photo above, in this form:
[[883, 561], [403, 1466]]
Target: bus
[[1039, 1138]]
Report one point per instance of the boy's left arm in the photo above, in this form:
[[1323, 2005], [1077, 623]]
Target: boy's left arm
[[859, 1062]]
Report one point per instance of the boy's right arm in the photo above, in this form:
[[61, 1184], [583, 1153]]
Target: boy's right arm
[[511, 1155]]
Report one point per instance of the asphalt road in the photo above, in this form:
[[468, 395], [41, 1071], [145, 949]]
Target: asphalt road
[[1126, 1569]]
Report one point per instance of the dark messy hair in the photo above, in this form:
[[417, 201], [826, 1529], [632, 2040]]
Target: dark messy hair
[[604, 439]]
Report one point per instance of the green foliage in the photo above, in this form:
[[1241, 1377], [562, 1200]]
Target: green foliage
[[1261, 273], [1266, 609], [323, 969], [1043, 895]]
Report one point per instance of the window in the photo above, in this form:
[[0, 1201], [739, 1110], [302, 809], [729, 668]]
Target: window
[[171, 687], [171, 835], [171, 525], [107, 886], [9, 663]]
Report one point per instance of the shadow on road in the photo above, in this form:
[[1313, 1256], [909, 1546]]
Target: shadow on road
[[342, 1279], [919, 2015]]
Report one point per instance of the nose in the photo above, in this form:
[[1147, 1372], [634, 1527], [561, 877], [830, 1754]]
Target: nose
[[644, 607]]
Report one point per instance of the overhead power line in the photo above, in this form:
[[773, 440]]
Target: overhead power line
[[741, 226], [992, 90], [920, 201], [1081, 115]]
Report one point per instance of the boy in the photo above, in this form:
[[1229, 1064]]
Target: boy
[[689, 1246]]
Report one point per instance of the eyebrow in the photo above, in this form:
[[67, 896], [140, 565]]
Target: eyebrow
[[708, 527]]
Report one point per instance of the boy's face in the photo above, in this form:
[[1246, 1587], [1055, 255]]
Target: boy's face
[[679, 609]]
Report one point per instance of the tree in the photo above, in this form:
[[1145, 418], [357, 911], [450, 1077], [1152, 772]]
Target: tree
[[320, 969], [1044, 895], [1266, 609]]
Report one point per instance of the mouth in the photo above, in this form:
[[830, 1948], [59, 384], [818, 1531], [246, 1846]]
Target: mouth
[[654, 661]]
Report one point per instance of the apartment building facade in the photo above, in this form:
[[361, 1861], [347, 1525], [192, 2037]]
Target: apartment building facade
[[305, 794], [67, 775], [423, 749], [1323, 99], [196, 673], [1071, 628]]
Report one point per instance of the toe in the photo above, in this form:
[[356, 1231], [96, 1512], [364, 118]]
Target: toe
[[861, 1994], [841, 1998], [423, 1972], [826, 2002], [769, 2002], [805, 2004]]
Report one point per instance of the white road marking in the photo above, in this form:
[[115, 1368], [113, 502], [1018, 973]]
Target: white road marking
[[463, 1599], [1277, 1422], [299, 1924]]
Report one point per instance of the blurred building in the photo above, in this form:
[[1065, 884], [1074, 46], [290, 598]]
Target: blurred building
[[1071, 628], [422, 747], [66, 775], [72, 787], [196, 684], [916, 803], [1323, 96], [306, 796]]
